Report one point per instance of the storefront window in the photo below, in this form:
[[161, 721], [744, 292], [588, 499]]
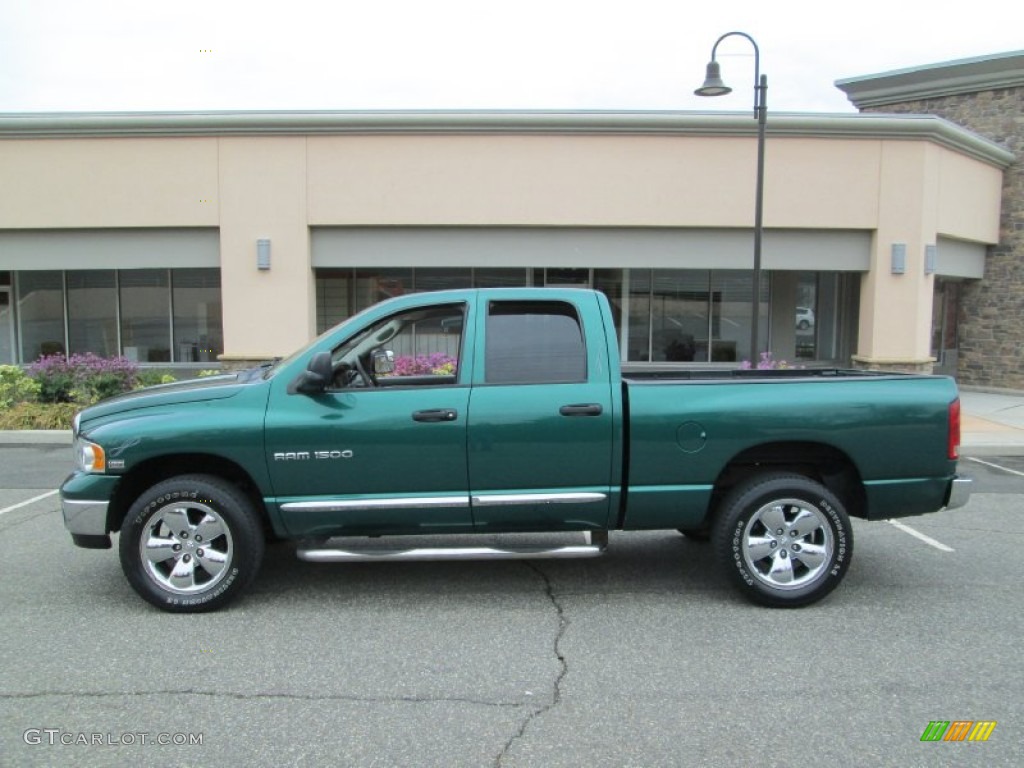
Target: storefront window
[[41, 314], [945, 312], [497, 277], [660, 315], [332, 297], [373, 285], [146, 315], [143, 300], [6, 320], [197, 315], [92, 325], [669, 315], [340, 293], [732, 303], [442, 279], [816, 317]]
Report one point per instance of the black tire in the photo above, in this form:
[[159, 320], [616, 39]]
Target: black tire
[[784, 540], [191, 543], [701, 534]]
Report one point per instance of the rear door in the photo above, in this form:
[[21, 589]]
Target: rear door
[[541, 419]]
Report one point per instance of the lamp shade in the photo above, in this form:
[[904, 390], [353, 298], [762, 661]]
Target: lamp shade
[[713, 85]]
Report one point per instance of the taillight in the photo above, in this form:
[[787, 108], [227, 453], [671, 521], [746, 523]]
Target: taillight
[[953, 448]]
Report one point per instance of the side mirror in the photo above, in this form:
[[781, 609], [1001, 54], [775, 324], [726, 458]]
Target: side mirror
[[383, 362], [315, 378]]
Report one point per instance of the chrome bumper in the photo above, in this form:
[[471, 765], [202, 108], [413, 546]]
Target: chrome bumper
[[85, 518], [959, 492]]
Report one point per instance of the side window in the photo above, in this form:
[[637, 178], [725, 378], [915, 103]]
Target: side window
[[419, 347], [534, 342]]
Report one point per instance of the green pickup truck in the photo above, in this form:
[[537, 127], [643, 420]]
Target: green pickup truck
[[496, 412]]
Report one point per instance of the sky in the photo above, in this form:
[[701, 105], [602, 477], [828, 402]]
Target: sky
[[215, 55]]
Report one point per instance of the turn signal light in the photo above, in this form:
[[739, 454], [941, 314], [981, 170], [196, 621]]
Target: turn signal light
[[91, 457]]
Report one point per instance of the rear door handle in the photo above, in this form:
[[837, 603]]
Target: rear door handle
[[582, 409], [435, 415]]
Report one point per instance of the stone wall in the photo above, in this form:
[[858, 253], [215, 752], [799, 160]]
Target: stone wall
[[992, 309]]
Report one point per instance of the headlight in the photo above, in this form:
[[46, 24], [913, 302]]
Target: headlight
[[89, 456]]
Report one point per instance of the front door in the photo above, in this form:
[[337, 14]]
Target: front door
[[541, 422], [378, 452]]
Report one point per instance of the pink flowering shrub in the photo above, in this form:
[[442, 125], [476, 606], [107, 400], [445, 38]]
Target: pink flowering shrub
[[437, 364], [766, 363], [82, 378]]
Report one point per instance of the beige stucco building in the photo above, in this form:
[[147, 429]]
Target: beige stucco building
[[183, 238]]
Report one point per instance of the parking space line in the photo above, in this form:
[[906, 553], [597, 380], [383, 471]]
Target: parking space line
[[995, 466], [33, 500], [918, 535]]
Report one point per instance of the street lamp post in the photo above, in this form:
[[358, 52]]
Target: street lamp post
[[713, 86]]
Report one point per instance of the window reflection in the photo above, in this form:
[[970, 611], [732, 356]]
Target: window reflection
[[660, 315], [41, 313], [92, 326], [197, 315], [141, 298], [146, 315]]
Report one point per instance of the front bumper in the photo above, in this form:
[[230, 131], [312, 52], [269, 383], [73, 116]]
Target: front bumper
[[85, 502], [85, 516], [959, 492]]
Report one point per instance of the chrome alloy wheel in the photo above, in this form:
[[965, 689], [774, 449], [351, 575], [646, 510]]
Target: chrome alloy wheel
[[186, 547], [787, 544]]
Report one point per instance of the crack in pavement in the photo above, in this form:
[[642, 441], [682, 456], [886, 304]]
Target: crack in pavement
[[10, 525], [556, 694], [265, 696]]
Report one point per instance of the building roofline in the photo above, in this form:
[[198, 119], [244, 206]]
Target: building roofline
[[55, 125], [980, 73]]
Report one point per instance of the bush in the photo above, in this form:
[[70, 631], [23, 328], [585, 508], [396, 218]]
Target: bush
[[16, 387], [38, 416], [767, 363], [438, 364], [152, 378], [82, 379]]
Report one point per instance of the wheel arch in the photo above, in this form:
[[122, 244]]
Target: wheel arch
[[820, 462], [154, 470]]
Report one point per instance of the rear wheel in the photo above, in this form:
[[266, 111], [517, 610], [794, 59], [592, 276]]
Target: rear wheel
[[191, 543], [784, 540]]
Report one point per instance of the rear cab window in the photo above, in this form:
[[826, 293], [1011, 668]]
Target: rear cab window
[[534, 342]]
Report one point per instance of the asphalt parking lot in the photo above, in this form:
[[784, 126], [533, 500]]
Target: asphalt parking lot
[[644, 657]]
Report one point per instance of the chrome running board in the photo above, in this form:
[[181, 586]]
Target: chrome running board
[[317, 552]]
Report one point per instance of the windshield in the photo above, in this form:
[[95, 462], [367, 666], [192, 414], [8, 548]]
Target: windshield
[[282, 362]]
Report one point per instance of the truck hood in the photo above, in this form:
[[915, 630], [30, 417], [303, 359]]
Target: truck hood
[[197, 390]]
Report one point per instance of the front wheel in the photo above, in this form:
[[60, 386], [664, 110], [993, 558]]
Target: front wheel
[[191, 543], [784, 540]]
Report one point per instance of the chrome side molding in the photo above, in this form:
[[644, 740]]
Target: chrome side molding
[[425, 502], [506, 499]]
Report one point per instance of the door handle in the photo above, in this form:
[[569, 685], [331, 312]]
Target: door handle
[[435, 415], [582, 409]]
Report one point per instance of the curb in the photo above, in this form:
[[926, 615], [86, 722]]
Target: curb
[[35, 437]]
